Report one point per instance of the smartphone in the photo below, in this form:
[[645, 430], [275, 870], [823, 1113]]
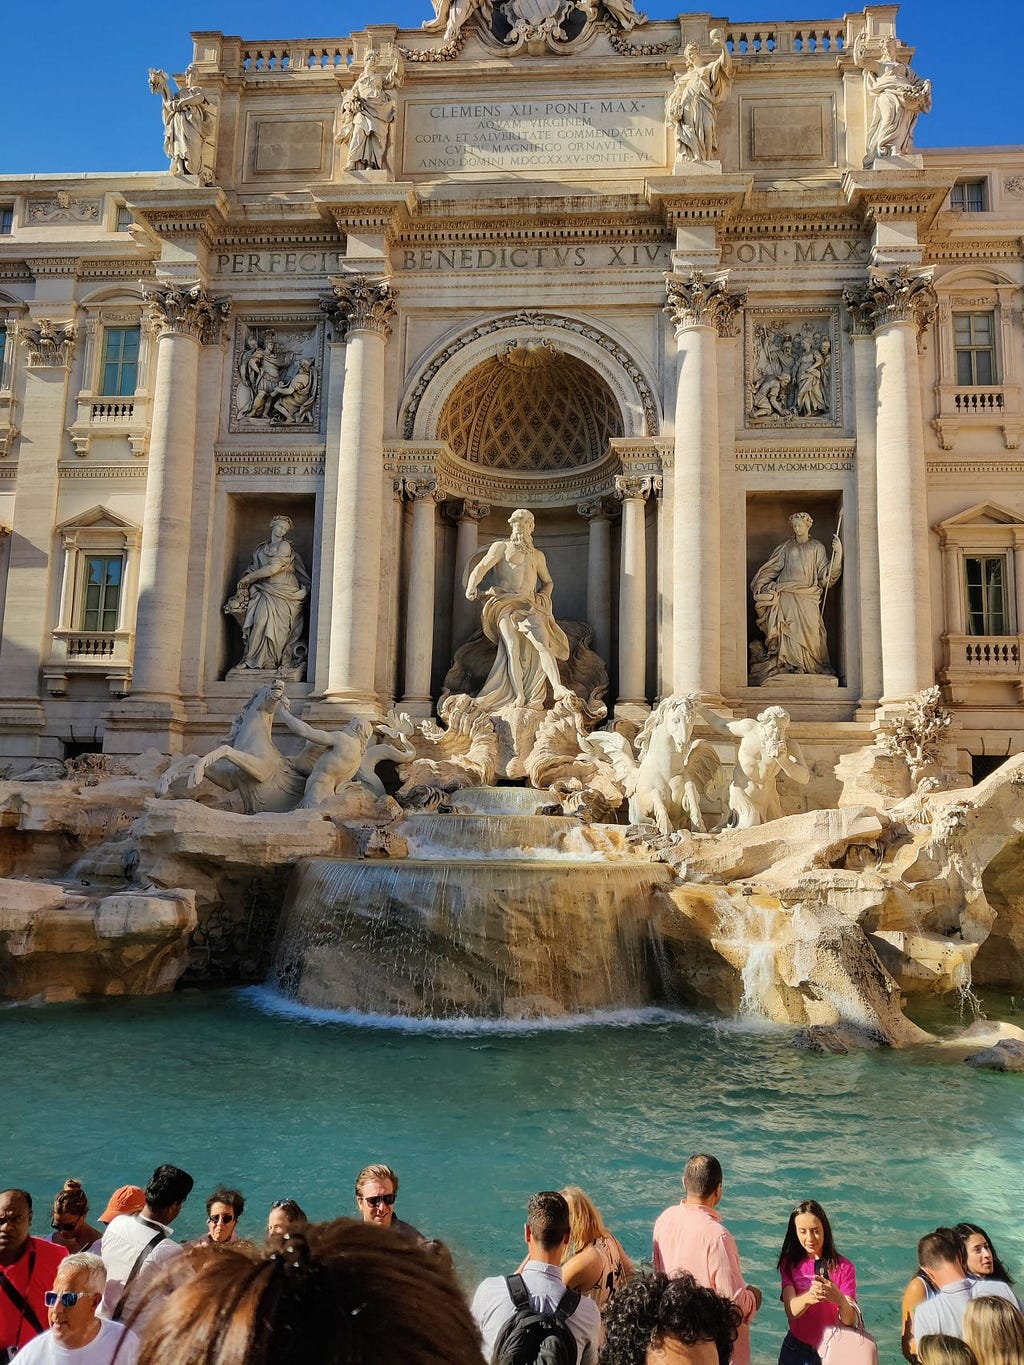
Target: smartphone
[[821, 1268]]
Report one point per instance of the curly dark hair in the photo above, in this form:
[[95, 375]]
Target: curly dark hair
[[652, 1307]]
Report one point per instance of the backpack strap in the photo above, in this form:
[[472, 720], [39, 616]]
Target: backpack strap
[[26, 1313], [569, 1302], [140, 1261], [517, 1291]]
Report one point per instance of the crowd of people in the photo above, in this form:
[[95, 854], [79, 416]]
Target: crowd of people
[[373, 1288]]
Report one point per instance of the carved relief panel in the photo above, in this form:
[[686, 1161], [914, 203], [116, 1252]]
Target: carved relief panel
[[277, 374], [792, 370]]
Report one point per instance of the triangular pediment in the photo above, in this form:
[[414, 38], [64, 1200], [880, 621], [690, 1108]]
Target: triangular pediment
[[982, 514], [97, 519]]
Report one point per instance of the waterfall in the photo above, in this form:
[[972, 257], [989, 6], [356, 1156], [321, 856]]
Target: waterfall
[[748, 927]]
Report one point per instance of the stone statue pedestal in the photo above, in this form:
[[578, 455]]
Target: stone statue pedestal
[[516, 728], [906, 161], [799, 686], [250, 678], [683, 167]]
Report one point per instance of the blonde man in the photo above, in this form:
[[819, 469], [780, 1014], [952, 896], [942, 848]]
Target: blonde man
[[376, 1191]]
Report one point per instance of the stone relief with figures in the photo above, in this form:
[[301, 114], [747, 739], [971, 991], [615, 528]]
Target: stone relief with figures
[[277, 368], [793, 376]]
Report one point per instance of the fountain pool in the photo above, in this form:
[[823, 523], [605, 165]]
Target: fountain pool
[[245, 1087]]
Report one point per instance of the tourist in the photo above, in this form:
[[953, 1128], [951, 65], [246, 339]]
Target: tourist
[[345, 1295], [125, 1199], [27, 1268], [994, 1330], [504, 1302], [76, 1334], [690, 1237], [70, 1230], [223, 1210], [919, 1288], [819, 1287], [135, 1247], [939, 1350], [939, 1254], [376, 1192], [285, 1216], [979, 1255], [595, 1262], [655, 1320]]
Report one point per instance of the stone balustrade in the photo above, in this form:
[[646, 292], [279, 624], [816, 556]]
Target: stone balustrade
[[274, 58], [981, 659], [824, 38]]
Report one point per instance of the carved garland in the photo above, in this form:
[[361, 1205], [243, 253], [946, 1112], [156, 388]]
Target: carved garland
[[532, 318]]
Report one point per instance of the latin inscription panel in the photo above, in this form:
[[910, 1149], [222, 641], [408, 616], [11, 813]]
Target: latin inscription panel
[[535, 134]]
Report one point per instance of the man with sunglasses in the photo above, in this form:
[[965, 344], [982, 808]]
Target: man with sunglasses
[[376, 1191], [77, 1336], [27, 1267]]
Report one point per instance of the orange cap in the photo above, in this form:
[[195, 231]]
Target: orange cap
[[128, 1199]]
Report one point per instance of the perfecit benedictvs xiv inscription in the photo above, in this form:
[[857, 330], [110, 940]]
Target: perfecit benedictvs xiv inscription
[[535, 134]]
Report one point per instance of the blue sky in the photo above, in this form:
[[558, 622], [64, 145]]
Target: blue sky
[[74, 94]]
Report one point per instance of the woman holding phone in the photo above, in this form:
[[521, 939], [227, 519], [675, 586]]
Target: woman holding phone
[[819, 1287]]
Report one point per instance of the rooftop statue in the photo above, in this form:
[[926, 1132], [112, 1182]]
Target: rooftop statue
[[368, 111], [188, 126], [692, 104], [451, 15], [788, 592], [517, 616], [268, 603], [898, 95]]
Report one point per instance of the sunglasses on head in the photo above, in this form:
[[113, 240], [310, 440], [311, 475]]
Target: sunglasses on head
[[67, 1300], [374, 1199]]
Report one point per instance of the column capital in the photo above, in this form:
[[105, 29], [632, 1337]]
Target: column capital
[[465, 509], [186, 310], [888, 296], [417, 489], [359, 303], [594, 509], [50, 345], [629, 486], [699, 300]]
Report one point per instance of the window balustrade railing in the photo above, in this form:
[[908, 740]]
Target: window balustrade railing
[[995, 655]]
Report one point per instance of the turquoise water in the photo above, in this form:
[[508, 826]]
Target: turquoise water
[[285, 1106]]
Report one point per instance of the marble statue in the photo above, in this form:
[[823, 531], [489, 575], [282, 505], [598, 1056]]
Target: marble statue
[[268, 603], [763, 755], [451, 15], [665, 777], [791, 372], [692, 104], [347, 755], [898, 95], [517, 616], [787, 591], [188, 126], [368, 112], [293, 401]]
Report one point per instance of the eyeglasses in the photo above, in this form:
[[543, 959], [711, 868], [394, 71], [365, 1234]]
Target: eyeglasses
[[221, 1218], [58, 1226], [374, 1199], [67, 1300]]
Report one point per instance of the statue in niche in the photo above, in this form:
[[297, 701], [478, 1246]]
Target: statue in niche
[[898, 95], [268, 604], [451, 16], [517, 616], [188, 125], [368, 111], [788, 590], [791, 372], [763, 755], [692, 104]]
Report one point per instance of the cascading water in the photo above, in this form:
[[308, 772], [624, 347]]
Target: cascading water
[[748, 933], [497, 916]]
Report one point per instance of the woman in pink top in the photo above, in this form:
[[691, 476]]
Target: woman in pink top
[[819, 1287]]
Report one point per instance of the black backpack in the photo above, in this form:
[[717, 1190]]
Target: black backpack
[[535, 1337]]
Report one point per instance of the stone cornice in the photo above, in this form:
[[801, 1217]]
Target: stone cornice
[[367, 207], [901, 196], [714, 199], [976, 249], [54, 265], [122, 268], [200, 215]]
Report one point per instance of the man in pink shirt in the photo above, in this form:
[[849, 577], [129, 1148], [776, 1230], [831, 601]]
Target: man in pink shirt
[[690, 1236]]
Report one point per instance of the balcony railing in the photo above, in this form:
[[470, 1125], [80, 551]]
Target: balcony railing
[[107, 653], [971, 659]]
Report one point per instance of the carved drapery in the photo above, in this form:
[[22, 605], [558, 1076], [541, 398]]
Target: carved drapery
[[50, 344], [889, 296], [186, 310], [361, 304], [700, 300]]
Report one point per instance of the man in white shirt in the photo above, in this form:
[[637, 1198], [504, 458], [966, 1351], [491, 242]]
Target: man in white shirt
[[77, 1336], [137, 1246], [938, 1255], [547, 1237]]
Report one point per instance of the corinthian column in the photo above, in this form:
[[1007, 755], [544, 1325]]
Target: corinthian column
[[899, 305], [701, 310], [634, 492], [599, 574], [364, 308], [465, 614], [183, 318], [419, 599]]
